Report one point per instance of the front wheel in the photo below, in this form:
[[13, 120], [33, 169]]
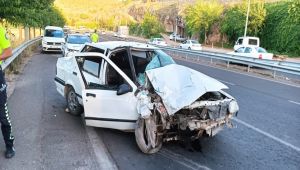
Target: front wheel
[[146, 138], [72, 103]]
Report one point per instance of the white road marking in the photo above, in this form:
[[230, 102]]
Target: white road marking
[[104, 159], [227, 82], [181, 160], [294, 102], [268, 135]]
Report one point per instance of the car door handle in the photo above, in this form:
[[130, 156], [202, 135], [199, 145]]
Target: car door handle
[[90, 94], [74, 73]]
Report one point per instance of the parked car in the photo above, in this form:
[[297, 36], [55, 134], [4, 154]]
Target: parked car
[[120, 35], [176, 37], [191, 45], [253, 52], [246, 41], [157, 41], [53, 39], [74, 43], [139, 79], [172, 36]]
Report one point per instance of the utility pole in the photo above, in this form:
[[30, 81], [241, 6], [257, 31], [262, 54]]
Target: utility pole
[[246, 25], [176, 28]]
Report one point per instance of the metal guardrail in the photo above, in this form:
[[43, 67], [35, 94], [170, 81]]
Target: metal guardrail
[[276, 66], [280, 66], [17, 51]]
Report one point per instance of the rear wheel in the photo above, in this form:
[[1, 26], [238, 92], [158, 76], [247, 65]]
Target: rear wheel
[[72, 103]]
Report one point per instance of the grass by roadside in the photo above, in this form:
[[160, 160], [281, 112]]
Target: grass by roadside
[[13, 71]]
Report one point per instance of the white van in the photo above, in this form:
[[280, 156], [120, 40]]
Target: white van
[[53, 39], [246, 41]]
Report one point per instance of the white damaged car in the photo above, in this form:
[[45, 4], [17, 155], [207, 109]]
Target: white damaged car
[[137, 87]]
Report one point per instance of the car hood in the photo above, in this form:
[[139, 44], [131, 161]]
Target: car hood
[[76, 47], [53, 39], [179, 86]]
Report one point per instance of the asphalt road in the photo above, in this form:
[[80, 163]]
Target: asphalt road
[[45, 136], [266, 136]]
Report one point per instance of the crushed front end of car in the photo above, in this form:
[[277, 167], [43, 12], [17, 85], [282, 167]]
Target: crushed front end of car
[[179, 103]]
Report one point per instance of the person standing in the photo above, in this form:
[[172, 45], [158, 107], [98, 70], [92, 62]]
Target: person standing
[[95, 37], [5, 52]]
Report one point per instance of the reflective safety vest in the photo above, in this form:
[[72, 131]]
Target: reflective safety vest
[[95, 37], [4, 41]]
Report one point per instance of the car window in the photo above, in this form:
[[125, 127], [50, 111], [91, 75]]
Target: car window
[[78, 39], [54, 33], [91, 67], [121, 60], [194, 42], [88, 48], [113, 79], [252, 42], [240, 50], [184, 42], [240, 41], [261, 50], [248, 50]]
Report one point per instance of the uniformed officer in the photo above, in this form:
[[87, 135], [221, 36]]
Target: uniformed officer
[[5, 52], [95, 37]]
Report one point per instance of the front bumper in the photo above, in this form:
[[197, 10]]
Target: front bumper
[[52, 47]]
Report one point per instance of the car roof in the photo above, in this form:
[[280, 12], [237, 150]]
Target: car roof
[[249, 37], [77, 34], [116, 44], [53, 28]]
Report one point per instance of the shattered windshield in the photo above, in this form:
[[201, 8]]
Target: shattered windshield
[[158, 59]]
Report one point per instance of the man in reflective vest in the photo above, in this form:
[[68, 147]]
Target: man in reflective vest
[[95, 37], [5, 52]]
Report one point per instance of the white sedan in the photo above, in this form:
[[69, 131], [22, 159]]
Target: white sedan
[[157, 41], [74, 42], [253, 52], [131, 86], [191, 45]]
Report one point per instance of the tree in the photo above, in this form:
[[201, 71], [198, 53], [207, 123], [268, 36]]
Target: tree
[[280, 31], [151, 26], [233, 22], [30, 12], [202, 15]]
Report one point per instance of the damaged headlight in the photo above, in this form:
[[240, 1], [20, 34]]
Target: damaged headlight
[[233, 107]]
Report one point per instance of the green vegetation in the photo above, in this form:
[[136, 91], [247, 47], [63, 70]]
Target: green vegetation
[[150, 27], [31, 13], [233, 22], [281, 31], [202, 15], [277, 23]]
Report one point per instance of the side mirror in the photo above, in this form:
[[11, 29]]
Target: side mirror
[[123, 89], [235, 51]]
